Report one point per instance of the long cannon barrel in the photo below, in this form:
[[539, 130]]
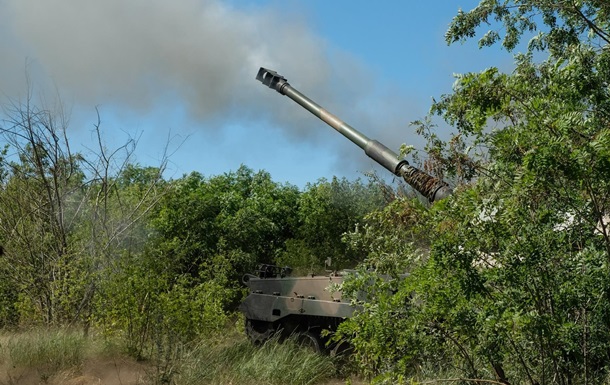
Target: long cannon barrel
[[430, 187]]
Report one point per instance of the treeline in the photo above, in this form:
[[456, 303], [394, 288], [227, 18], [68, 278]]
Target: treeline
[[96, 240]]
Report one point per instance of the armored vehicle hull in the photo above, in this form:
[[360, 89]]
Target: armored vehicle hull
[[293, 306]]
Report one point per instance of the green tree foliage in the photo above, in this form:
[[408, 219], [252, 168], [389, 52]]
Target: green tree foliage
[[247, 219], [515, 287], [402, 226], [327, 210], [204, 234], [155, 309], [242, 216]]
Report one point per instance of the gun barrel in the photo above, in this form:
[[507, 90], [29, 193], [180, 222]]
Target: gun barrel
[[430, 187]]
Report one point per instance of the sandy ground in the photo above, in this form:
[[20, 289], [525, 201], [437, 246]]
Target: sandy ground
[[122, 371], [109, 372]]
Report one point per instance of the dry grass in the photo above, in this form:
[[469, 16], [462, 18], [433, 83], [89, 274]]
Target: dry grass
[[57, 357], [63, 357]]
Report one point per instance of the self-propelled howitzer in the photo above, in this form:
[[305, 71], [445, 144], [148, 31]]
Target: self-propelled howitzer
[[429, 186], [306, 306]]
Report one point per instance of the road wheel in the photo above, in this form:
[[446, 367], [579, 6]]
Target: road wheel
[[341, 349], [342, 355], [311, 341], [259, 332]]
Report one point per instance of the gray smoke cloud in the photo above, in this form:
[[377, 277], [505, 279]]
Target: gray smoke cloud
[[200, 54]]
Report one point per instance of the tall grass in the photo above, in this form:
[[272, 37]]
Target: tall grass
[[48, 352], [41, 352], [239, 362], [228, 359], [52, 350]]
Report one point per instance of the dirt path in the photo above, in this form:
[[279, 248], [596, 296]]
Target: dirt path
[[112, 371], [99, 372]]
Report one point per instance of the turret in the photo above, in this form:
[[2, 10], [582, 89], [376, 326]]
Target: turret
[[427, 185]]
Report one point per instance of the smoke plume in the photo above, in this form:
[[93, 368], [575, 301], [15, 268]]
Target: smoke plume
[[199, 54]]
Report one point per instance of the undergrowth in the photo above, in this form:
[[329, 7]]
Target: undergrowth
[[222, 359], [53, 350], [239, 362]]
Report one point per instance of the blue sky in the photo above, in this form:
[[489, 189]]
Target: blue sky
[[179, 76]]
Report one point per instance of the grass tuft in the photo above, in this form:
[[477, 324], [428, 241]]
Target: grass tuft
[[239, 362], [51, 350]]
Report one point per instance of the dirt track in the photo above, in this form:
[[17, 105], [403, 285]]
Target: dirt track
[[122, 371], [109, 372]]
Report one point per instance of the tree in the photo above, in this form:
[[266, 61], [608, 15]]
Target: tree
[[63, 216], [326, 211], [223, 225], [204, 235], [516, 285]]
